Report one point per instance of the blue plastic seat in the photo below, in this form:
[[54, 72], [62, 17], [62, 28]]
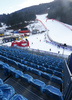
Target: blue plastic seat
[[6, 91], [10, 56], [13, 62], [59, 74], [18, 59], [58, 69], [5, 68], [27, 78], [1, 64], [10, 61], [42, 68], [56, 80], [49, 70], [35, 71], [53, 92], [1, 81], [1, 94], [11, 70], [45, 75], [60, 65], [34, 66], [21, 66], [22, 61], [0, 55], [30, 69], [52, 67], [37, 66], [5, 64], [28, 63], [25, 62], [27, 68], [6, 55], [31, 64], [38, 84], [18, 97], [4, 58], [7, 59], [14, 58], [17, 73]]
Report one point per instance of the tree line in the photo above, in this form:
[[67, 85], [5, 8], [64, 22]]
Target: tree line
[[61, 12], [57, 9], [18, 19]]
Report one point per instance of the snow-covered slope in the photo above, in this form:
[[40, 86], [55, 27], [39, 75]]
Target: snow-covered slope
[[57, 32]]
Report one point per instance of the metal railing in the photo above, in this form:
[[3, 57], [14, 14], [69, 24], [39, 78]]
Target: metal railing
[[67, 82]]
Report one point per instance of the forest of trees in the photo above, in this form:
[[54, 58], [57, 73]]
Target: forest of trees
[[18, 19], [58, 9], [61, 12]]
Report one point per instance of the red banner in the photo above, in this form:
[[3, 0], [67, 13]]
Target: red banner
[[22, 43]]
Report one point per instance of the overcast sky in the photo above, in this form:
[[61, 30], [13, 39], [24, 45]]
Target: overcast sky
[[9, 6]]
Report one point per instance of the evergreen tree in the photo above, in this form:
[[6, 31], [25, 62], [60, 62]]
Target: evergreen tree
[[61, 12], [18, 19]]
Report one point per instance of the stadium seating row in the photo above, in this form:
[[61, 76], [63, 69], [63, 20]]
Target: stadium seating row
[[7, 92], [56, 67], [48, 67], [55, 79], [45, 61], [40, 85], [56, 71]]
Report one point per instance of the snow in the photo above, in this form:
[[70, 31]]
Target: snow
[[37, 42], [36, 26], [3, 26], [57, 31]]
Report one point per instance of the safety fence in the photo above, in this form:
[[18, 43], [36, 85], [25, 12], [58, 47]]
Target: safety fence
[[60, 45], [41, 52], [42, 23]]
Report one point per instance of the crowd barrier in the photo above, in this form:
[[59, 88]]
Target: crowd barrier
[[41, 52], [61, 45]]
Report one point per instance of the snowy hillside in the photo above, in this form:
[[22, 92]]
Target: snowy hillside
[[57, 32]]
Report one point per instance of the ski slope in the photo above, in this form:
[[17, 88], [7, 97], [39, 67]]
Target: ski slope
[[57, 32]]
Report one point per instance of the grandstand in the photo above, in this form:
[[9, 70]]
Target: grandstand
[[33, 76]]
